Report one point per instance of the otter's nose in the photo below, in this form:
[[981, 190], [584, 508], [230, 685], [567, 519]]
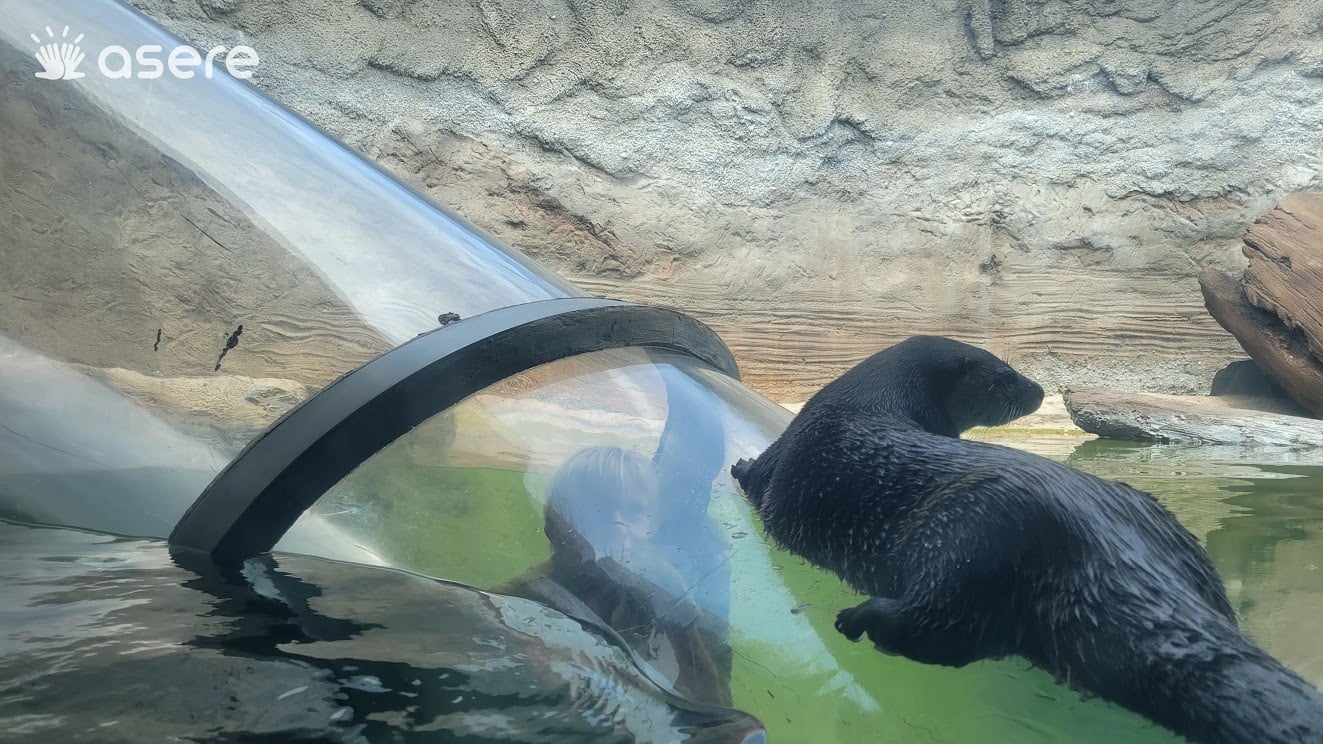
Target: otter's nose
[[1033, 395]]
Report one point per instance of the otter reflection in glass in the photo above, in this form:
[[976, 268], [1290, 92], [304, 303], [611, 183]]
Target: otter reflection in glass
[[608, 569]]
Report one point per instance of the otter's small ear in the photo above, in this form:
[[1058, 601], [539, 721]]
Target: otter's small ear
[[968, 362]]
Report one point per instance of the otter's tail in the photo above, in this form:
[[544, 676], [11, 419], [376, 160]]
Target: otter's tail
[[1239, 697]]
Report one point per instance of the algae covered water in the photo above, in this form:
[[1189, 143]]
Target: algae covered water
[[109, 639]]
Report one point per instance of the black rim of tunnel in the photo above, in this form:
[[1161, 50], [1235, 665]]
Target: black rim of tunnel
[[250, 505]]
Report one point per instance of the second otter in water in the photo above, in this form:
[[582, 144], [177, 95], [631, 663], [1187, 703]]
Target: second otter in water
[[973, 551]]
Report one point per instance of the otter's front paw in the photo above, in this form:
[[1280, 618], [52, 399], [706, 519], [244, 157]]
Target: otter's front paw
[[741, 468], [876, 617], [848, 625]]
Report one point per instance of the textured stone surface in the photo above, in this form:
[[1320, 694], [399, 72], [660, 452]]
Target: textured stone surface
[[818, 180], [1206, 419]]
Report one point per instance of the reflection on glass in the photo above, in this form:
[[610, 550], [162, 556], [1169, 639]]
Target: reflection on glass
[[74, 451], [611, 567], [595, 475], [202, 251], [298, 650]]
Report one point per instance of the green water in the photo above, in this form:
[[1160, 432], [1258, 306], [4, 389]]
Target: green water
[[1260, 513]]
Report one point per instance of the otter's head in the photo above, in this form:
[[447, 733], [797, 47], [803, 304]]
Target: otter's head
[[988, 392], [957, 386]]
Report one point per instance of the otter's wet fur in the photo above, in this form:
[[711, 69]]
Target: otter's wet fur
[[972, 551]]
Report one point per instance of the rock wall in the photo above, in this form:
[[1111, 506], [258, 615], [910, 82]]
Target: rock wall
[[815, 180]]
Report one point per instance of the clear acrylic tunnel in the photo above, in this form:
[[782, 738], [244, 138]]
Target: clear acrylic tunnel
[[220, 326]]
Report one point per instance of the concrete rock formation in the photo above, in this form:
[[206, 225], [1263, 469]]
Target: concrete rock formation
[[1152, 417], [1044, 177]]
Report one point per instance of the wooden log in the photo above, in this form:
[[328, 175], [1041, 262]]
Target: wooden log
[[1148, 417], [1280, 352], [1285, 275]]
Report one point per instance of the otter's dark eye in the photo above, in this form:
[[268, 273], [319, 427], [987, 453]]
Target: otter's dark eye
[[1005, 377]]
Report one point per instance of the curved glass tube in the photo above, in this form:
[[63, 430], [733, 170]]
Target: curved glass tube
[[74, 451], [199, 251], [600, 485]]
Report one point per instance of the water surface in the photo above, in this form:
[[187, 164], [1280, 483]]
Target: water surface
[[108, 639]]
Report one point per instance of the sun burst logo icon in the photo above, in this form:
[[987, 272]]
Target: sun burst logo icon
[[59, 58]]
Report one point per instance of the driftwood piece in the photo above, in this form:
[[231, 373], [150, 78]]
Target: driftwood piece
[[1281, 353], [1285, 274], [1147, 417]]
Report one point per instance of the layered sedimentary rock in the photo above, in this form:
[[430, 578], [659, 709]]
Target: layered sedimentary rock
[[1044, 178]]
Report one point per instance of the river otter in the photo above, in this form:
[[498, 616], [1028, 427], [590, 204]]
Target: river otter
[[972, 550]]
